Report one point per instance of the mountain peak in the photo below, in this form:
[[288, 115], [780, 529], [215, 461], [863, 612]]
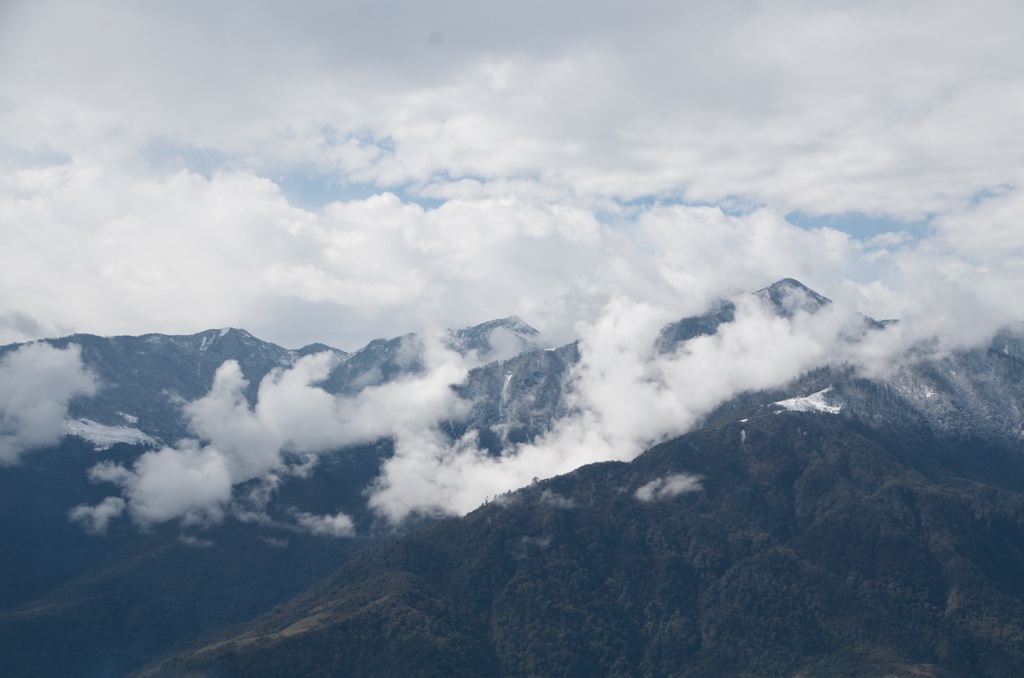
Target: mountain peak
[[789, 296], [785, 297], [497, 339], [513, 323], [233, 332]]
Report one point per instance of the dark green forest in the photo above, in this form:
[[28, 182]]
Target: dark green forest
[[815, 546], [103, 605]]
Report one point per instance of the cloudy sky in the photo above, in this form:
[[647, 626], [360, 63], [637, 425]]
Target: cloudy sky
[[339, 171]]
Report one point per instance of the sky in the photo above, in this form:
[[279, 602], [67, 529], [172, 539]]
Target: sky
[[336, 172], [340, 171]]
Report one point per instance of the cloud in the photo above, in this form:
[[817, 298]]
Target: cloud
[[670, 486], [378, 266], [186, 481], [195, 479], [18, 326], [624, 396], [338, 525], [549, 154], [338, 174], [828, 107], [36, 383], [555, 500], [96, 519]]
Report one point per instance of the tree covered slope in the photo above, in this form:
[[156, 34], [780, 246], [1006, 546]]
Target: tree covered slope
[[786, 544]]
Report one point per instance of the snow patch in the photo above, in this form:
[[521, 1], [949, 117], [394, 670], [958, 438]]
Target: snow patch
[[504, 393], [103, 436], [812, 403]]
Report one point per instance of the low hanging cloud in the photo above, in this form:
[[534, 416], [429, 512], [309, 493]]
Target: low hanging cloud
[[37, 381], [96, 519], [625, 396], [667, 487], [235, 443], [188, 481], [550, 153], [338, 525]]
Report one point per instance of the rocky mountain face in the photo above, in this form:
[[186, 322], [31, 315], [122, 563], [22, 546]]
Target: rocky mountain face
[[875, 522]]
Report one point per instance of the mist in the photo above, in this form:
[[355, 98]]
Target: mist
[[624, 395], [37, 382], [194, 479]]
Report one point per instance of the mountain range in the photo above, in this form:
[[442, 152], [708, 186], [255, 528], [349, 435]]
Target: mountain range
[[842, 522]]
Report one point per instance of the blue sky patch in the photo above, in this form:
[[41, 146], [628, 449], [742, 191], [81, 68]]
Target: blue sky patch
[[859, 225]]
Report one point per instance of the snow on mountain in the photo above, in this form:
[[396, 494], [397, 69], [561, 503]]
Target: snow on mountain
[[815, 402]]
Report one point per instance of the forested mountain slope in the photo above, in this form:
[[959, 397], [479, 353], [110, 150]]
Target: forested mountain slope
[[115, 600], [785, 544]]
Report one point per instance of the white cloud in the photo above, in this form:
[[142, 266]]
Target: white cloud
[[152, 200], [36, 383], [338, 525], [826, 106], [625, 396], [96, 519], [670, 486], [185, 253], [186, 481], [531, 163], [195, 479]]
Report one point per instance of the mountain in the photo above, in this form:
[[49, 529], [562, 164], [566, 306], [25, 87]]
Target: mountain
[[784, 297], [114, 601], [517, 400], [497, 339], [790, 296], [145, 379], [930, 442], [790, 543], [835, 525]]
